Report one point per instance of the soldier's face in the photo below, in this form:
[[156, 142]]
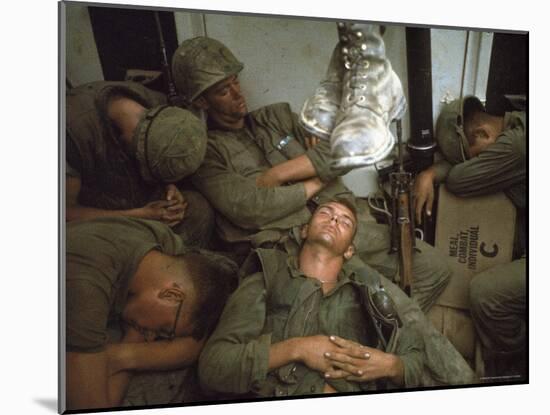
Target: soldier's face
[[224, 100], [333, 225]]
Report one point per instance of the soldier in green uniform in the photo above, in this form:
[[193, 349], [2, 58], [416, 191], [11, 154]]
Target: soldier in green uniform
[[126, 151], [314, 320], [138, 277], [264, 174], [485, 154]]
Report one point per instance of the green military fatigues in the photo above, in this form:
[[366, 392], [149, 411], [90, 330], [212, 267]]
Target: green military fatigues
[[272, 135], [102, 257], [110, 177], [498, 306], [500, 167], [280, 302], [235, 158], [498, 295]]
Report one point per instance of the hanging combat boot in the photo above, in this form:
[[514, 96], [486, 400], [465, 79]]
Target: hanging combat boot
[[319, 111], [372, 96]]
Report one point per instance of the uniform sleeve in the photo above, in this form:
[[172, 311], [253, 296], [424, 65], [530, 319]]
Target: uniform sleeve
[[410, 349], [409, 341], [441, 168], [239, 199], [409, 346], [428, 356], [320, 155], [236, 356], [495, 169]]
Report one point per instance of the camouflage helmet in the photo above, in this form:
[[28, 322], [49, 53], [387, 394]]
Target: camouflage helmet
[[449, 129], [169, 143], [201, 62]]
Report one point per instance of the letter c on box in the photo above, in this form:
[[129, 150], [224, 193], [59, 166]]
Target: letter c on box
[[489, 254]]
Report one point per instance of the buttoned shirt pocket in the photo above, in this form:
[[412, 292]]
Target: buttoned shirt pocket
[[281, 147], [243, 155]]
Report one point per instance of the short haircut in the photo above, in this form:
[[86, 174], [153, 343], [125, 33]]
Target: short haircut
[[347, 202], [213, 277]]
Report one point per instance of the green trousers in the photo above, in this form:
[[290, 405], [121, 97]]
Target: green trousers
[[498, 307], [431, 273]]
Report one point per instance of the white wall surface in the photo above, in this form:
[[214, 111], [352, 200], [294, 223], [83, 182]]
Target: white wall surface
[[448, 48]]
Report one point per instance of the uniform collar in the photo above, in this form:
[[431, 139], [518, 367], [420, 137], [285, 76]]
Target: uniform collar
[[212, 125], [345, 275]]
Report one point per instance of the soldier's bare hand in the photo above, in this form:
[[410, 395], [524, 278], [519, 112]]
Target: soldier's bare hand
[[157, 209], [311, 352], [355, 362], [173, 193], [175, 213], [311, 141], [423, 194]]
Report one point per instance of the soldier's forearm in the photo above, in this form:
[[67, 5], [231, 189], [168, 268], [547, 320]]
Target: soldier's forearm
[[295, 170], [282, 353], [160, 355]]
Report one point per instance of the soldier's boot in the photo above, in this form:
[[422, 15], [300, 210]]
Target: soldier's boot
[[319, 111], [372, 96]]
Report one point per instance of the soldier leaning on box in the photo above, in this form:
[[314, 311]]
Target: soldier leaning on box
[[264, 174], [126, 152], [487, 154]]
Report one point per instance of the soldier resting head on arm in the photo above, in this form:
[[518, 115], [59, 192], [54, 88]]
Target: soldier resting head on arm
[[138, 277], [127, 154]]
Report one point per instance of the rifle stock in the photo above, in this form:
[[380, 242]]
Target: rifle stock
[[402, 226]]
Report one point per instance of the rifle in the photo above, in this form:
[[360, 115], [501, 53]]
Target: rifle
[[173, 97], [402, 221]]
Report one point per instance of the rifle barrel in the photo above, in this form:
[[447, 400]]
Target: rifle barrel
[[172, 93]]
